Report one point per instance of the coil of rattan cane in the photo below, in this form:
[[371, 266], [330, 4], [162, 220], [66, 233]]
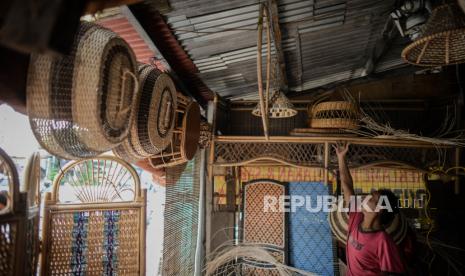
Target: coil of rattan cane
[[443, 39], [80, 104], [339, 222], [336, 114], [9, 178]]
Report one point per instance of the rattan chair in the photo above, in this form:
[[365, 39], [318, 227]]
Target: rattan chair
[[19, 221], [94, 220]]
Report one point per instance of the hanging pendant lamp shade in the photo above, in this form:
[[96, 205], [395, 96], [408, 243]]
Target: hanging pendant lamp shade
[[443, 40], [279, 107]]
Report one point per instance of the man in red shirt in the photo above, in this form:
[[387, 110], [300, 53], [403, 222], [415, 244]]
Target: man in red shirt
[[370, 250]]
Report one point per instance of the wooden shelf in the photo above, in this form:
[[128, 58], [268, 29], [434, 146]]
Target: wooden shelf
[[386, 142]]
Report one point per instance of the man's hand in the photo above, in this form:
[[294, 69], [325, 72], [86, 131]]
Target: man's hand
[[346, 179], [341, 149]]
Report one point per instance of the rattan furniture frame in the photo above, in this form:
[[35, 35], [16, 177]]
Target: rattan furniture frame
[[19, 241]]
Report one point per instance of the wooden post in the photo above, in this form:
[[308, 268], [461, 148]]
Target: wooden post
[[326, 160], [457, 171], [212, 109]]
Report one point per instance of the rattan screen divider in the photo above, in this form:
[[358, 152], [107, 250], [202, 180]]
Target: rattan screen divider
[[97, 226]]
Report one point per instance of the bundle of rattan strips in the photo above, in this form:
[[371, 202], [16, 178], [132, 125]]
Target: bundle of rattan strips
[[155, 109], [80, 104]]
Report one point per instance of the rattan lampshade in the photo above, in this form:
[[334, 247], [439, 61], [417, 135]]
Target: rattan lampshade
[[80, 104], [279, 107], [334, 115], [443, 40]]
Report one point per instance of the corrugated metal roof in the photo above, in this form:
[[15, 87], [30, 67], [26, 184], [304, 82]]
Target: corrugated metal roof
[[324, 41], [122, 26]]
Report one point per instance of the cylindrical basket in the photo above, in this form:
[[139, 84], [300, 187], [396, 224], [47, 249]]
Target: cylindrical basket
[[336, 114]]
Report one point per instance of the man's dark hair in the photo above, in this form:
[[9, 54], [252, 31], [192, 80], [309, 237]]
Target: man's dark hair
[[3, 198], [385, 216]]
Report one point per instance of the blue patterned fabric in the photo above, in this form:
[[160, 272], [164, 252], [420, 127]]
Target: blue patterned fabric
[[310, 241], [110, 244], [79, 248]]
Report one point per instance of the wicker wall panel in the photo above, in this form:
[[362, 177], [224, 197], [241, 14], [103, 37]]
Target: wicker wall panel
[[311, 246], [98, 242], [264, 227]]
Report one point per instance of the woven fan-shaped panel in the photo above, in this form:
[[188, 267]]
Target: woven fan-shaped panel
[[443, 39], [103, 179], [9, 182], [80, 104]]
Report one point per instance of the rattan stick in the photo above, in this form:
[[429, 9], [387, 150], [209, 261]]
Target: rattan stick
[[259, 70], [422, 52]]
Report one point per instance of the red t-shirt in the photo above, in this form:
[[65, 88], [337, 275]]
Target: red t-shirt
[[370, 253]]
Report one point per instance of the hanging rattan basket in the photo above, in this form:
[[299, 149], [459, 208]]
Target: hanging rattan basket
[[443, 39], [80, 105], [154, 108], [279, 107], [336, 114], [339, 222]]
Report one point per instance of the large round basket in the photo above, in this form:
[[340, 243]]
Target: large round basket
[[80, 104], [337, 114], [339, 226], [443, 39]]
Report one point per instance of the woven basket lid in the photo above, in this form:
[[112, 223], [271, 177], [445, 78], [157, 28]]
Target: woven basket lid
[[442, 41], [279, 107], [10, 182], [80, 104], [339, 226]]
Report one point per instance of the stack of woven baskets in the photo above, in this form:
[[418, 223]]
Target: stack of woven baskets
[[97, 99]]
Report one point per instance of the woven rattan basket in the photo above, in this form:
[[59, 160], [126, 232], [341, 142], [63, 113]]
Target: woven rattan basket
[[80, 105], [339, 226], [443, 39], [336, 114], [153, 123]]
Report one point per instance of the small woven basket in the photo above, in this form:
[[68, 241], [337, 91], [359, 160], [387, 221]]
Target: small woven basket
[[443, 40], [80, 105], [336, 114]]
